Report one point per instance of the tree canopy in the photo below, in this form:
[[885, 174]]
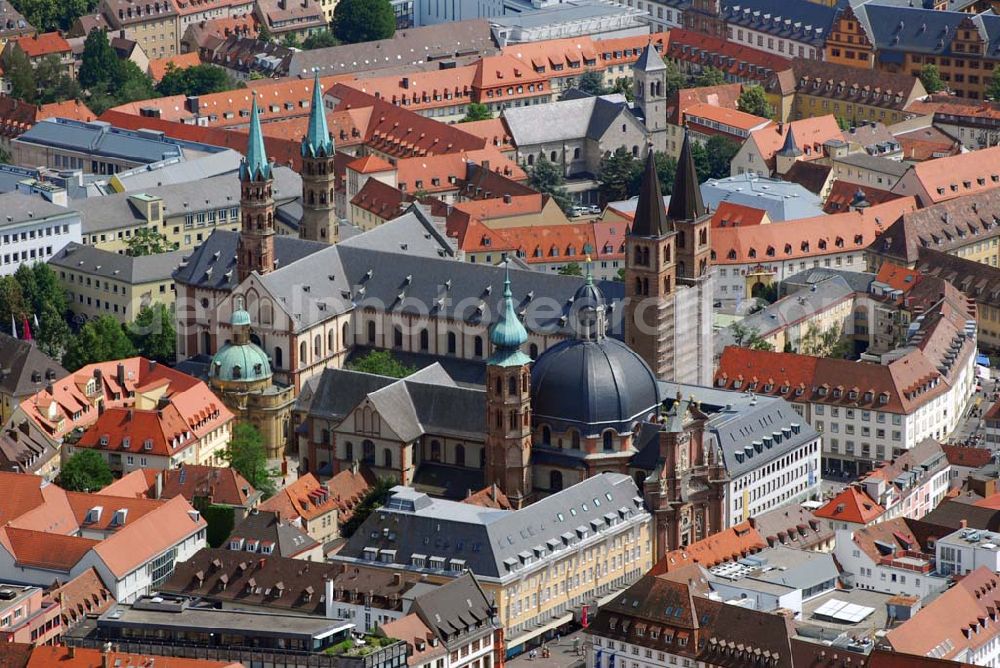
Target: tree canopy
[[753, 100], [617, 173], [547, 178], [320, 40], [35, 291], [147, 241], [85, 471], [713, 159], [675, 79], [99, 340], [745, 337], [476, 111], [571, 269], [930, 77], [49, 15], [381, 363], [363, 20], [992, 91], [108, 79], [153, 333], [592, 82], [196, 80], [247, 455], [710, 76]]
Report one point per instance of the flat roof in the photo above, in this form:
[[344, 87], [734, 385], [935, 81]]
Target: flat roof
[[174, 616]]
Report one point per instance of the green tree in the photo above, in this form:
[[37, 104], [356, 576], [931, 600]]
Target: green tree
[[99, 340], [320, 40], [85, 471], [675, 79], [100, 62], [930, 77], [246, 453], [35, 292], [264, 33], [992, 91], [381, 363], [374, 498], [220, 520], [20, 75], [753, 100], [476, 111], [571, 269], [147, 241], [547, 178], [719, 153], [702, 163], [623, 86], [131, 84], [290, 40], [619, 175], [153, 333], [592, 82], [745, 337], [49, 15], [363, 21], [666, 169], [710, 76], [54, 85]]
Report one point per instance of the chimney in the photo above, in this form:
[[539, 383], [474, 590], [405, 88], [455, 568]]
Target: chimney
[[158, 485], [507, 198], [964, 524], [71, 651], [121, 374], [486, 165], [405, 83], [121, 33], [493, 491], [152, 365], [397, 579]]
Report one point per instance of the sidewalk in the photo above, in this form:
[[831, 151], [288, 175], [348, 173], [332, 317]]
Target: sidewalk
[[561, 655]]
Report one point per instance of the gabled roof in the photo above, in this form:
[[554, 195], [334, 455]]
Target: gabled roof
[[158, 67], [969, 456], [36, 46], [265, 527], [306, 498], [851, 505], [25, 369], [843, 194], [651, 219], [810, 134], [80, 597], [954, 176], [732, 544]]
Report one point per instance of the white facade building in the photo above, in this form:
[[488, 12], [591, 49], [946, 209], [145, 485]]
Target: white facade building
[[966, 550], [33, 230]]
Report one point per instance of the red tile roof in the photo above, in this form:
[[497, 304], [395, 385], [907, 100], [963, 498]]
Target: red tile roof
[[46, 656], [954, 176], [842, 195], [927, 144], [489, 497], [955, 623], [493, 130], [897, 277], [729, 214], [36, 46], [159, 67], [806, 237], [370, 164], [810, 134], [381, 200], [851, 505], [308, 499], [51, 551], [723, 95], [84, 595], [734, 59], [69, 109], [696, 113], [730, 544]]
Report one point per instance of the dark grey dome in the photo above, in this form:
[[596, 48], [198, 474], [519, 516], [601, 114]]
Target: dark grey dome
[[602, 383]]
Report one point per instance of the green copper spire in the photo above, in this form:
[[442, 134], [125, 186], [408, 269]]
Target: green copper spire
[[508, 334], [255, 165], [317, 142]]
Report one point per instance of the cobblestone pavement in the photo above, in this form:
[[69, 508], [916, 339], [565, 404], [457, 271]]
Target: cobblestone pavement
[[562, 654]]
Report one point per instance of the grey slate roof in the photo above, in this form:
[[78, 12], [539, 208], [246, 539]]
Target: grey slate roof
[[264, 525], [742, 434], [176, 170], [492, 543], [894, 29], [218, 252], [781, 200], [736, 421], [790, 309], [807, 22], [456, 608], [412, 46], [349, 275], [888, 166], [110, 212], [24, 369], [18, 208], [99, 138], [858, 280], [413, 234], [134, 270], [564, 120]]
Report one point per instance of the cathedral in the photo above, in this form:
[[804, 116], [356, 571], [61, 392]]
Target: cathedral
[[565, 396]]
